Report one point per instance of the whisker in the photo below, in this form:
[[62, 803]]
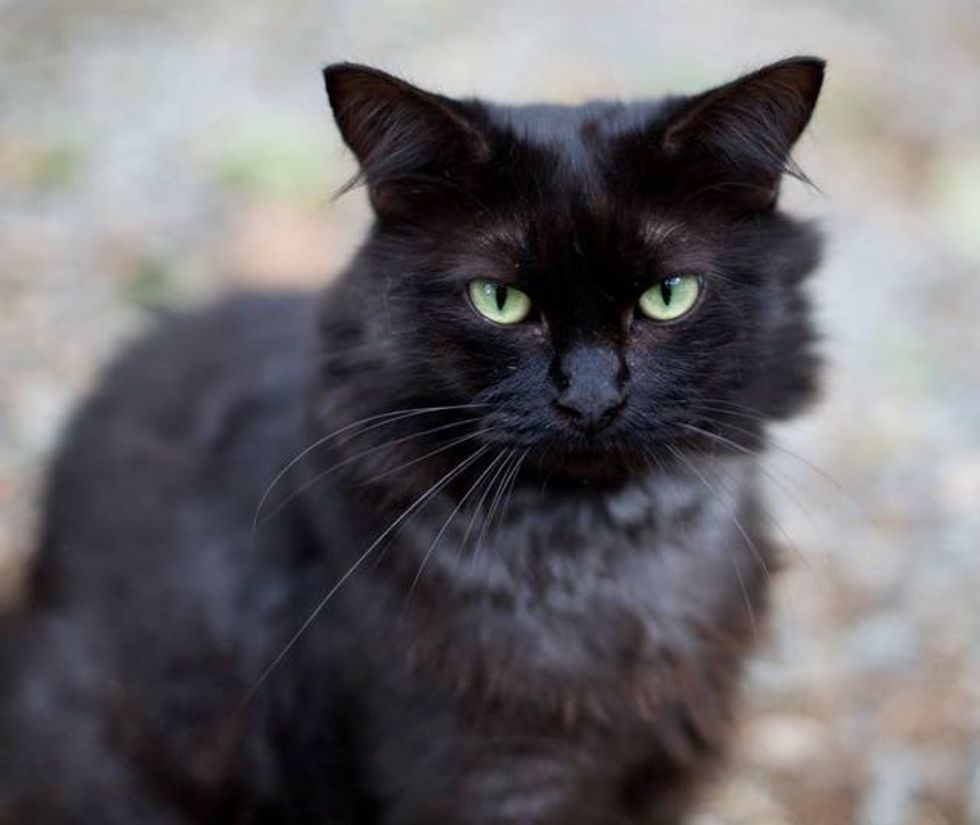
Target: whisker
[[782, 485], [738, 524], [419, 502], [390, 418], [506, 455], [512, 482], [738, 572], [789, 541], [459, 505], [729, 408], [442, 449], [833, 482], [454, 443], [782, 481], [494, 503], [318, 477]]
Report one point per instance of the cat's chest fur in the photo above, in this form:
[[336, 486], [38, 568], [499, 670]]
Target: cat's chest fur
[[591, 609]]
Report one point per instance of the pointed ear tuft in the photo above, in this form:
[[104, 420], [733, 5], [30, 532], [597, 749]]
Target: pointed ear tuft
[[408, 142], [745, 129]]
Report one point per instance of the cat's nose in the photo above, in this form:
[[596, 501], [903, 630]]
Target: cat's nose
[[592, 391]]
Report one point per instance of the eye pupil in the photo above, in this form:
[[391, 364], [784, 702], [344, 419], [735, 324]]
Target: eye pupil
[[670, 298], [498, 302]]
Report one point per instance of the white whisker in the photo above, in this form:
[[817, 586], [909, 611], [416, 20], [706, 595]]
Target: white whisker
[[415, 505]]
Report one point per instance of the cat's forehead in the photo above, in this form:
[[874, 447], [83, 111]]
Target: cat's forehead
[[562, 203], [555, 125], [561, 169], [573, 143]]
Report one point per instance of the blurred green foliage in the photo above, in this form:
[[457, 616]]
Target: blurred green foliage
[[272, 158], [56, 164], [152, 283]]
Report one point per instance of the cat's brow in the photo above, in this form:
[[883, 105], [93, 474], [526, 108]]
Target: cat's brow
[[655, 232]]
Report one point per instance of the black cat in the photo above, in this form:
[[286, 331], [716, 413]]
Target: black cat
[[475, 538]]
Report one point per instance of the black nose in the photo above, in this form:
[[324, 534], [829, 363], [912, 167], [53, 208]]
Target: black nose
[[592, 392]]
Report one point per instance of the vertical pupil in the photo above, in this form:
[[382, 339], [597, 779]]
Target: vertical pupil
[[500, 296], [666, 291]]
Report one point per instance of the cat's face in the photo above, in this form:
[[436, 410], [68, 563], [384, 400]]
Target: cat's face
[[609, 284]]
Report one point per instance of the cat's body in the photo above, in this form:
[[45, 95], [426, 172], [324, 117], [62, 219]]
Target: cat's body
[[444, 612]]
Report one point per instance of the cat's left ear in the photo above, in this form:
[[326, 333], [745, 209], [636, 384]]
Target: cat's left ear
[[739, 136], [414, 147]]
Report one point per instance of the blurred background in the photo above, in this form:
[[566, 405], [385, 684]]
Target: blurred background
[[155, 154]]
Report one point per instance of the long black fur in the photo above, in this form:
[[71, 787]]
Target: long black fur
[[461, 599]]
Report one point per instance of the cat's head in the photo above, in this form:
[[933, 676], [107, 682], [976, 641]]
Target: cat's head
[[607, 284]]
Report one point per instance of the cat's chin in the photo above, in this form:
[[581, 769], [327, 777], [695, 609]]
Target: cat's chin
[[583, 466]]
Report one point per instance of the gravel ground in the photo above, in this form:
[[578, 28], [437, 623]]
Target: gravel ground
[[158, 153]]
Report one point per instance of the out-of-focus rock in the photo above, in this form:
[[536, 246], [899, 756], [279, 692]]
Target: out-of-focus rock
[[895, 783], [784, 742], [743, 803], [886, 642]]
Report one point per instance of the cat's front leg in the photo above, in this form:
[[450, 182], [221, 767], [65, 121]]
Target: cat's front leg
[[525, 791], [532, 780]]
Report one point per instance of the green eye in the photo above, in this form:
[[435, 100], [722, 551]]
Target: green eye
[[498, 302], [671, 298]]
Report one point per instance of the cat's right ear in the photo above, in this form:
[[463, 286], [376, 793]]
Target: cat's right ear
[[735, 140], [412, 146]]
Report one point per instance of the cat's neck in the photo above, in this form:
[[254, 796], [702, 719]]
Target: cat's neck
[[575, 597]]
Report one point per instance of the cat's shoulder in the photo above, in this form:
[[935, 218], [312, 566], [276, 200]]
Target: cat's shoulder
[[180, 377], [201, 408], [189, 398]]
